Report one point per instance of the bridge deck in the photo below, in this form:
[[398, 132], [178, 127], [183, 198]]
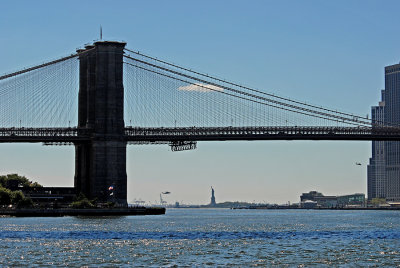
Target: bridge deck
[[135, 134], [260, 133], [31, 135]]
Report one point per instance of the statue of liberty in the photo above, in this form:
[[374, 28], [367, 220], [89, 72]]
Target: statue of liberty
[[212, 197]]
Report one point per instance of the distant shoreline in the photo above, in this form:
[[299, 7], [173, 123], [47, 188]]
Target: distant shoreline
[[350, 208]]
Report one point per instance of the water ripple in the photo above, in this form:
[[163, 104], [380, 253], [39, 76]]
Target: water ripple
[[205, 238], [360, 234]]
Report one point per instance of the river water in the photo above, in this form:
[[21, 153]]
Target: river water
[[206, 237]]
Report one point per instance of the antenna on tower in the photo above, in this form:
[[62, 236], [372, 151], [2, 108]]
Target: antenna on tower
[[101, 33]]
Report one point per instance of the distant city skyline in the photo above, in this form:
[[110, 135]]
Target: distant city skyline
[[326, 53]]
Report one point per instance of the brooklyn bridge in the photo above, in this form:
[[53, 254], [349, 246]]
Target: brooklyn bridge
[[105, 97]]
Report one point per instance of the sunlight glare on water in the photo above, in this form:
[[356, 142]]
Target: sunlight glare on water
[[205, 237]]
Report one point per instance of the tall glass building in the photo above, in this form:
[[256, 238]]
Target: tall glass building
[[392, 116], [376, 169]]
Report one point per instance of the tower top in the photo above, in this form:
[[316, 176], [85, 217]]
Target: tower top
[[116, 43], [103, 44]]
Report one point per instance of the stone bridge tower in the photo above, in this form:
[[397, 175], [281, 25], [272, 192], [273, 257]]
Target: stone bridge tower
[[100, 164]]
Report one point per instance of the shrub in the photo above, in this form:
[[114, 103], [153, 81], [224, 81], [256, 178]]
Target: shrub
[[26, 202], [110, 204], [81, 201], [84, 203]]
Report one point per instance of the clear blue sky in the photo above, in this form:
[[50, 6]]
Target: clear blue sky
[[330, 53]]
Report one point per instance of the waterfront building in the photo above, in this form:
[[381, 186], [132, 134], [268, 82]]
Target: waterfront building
[[309, 196], [392, 117], [316, 199], [50, 195], [308, 204], [329, 201], [376, 169], [350, 200]]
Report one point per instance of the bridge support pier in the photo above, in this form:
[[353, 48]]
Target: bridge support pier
[[100, 164]]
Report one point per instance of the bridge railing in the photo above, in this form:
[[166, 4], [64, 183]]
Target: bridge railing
[[41, 132], [162, 134], [273, 132], [51, 136]]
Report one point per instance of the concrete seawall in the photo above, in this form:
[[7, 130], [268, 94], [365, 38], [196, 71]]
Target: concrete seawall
[[81, 212]]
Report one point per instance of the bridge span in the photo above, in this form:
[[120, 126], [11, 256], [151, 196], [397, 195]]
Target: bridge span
[[182, 134], [111, 96]]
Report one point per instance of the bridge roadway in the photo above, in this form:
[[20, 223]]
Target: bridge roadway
[[165, 135]]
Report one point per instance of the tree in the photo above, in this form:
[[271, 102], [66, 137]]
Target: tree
[[16, 197], [5, 196], [19, 199], [26, 202], [378, 201], [13, 181]]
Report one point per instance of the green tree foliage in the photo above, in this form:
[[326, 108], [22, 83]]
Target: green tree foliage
[[378, 201], [110, 204], [14, 181], [16, 198], [82, 202], [5, 196], [26, 202]]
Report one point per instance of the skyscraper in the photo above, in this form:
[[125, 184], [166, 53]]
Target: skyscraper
[[392, 116], [376, 169]]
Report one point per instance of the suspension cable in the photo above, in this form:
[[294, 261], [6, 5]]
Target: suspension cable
[[43, 65], [240, 97], [337, 117], [247, 88]]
